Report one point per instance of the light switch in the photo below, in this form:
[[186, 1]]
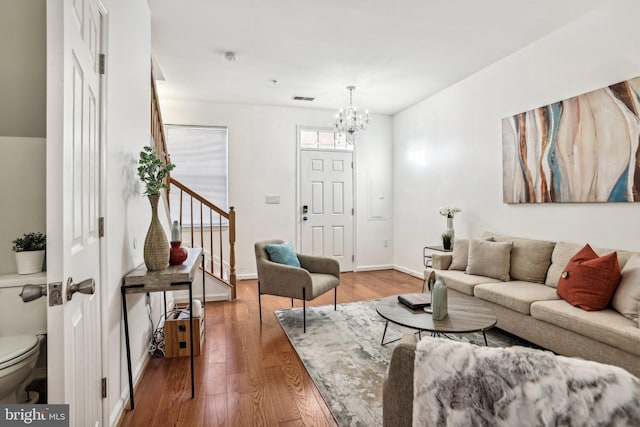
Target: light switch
[[272, 199]]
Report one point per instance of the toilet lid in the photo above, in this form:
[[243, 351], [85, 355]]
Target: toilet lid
[[15, 346]]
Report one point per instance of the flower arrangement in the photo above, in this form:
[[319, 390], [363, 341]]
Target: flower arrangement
[[30, 242], [449, 211], [153, 171]]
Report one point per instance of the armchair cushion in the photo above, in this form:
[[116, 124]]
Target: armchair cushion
[[282, 253]]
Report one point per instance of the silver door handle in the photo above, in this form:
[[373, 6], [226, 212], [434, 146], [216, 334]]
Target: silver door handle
[[87, 287]]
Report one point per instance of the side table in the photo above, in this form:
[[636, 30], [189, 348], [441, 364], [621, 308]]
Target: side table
[[426, 258], [175, 277]]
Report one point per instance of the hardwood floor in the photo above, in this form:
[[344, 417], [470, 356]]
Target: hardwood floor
[[248, 374]]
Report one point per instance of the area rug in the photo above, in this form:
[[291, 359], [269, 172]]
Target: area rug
[[342, 353]]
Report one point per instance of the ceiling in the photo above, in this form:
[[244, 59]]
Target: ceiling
[[396, 53]]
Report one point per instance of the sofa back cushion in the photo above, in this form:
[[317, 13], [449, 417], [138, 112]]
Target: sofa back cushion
[[562, 253], [626, 300], [589, 281], [490, 259], [460, 256], [530, 258]]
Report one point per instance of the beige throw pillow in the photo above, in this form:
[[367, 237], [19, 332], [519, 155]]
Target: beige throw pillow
[[489, 259], [460, 255], [626, 299]]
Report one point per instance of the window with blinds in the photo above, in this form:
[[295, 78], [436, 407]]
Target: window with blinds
[[200, 156]]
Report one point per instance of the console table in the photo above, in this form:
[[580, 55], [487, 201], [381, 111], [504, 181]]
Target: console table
[[173, 278]]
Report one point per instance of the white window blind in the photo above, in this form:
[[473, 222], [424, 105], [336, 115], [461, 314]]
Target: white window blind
[[200, 156]]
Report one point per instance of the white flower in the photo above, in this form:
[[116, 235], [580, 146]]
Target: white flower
[[449, 211]]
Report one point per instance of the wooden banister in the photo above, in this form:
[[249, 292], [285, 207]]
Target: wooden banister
[[160, 144], [187, 195]]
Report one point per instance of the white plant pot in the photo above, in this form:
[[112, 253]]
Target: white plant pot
[[29, 262]]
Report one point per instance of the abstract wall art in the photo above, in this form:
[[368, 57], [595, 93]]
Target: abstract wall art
[[581, 149]]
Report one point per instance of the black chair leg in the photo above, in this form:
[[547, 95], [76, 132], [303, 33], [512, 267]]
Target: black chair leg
[[335, 298], [304, 312], [291, 302], [259, 302]]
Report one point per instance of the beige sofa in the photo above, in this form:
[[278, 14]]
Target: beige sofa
[[526, 305]]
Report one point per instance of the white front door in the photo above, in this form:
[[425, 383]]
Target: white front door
[[73, 206], [326, 194]]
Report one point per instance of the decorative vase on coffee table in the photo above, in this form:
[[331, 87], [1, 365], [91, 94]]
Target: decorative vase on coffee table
[[156, 245]]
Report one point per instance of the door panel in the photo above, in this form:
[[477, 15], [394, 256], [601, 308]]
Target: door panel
[[326, 187], [73, 205]]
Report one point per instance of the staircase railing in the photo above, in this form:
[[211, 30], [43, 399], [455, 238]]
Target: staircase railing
[[220, 259], [198, 219]]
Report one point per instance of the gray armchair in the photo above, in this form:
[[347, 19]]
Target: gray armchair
[[317, 276]]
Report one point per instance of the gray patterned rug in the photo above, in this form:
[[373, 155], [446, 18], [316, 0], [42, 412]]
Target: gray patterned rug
[[342, 353]]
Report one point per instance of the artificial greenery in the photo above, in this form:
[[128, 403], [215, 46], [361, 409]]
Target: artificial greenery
[[153, 171], [30, 242], [446, 240]]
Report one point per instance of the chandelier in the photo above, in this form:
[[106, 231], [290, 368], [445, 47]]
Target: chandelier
[[349, 121]]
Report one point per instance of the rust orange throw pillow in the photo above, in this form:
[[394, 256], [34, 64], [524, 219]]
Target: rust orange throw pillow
[[589, 281]]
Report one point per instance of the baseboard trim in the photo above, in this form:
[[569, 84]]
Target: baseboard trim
[[373, 267], [248, 276], [118, 411], [419, 275]]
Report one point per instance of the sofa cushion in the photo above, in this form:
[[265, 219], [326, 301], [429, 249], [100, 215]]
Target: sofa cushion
[[626, 300], [461, 281], [491, 259], [460, 255], [516, 295], [607, 326], [530, 258], [589, 281], [563, 252]]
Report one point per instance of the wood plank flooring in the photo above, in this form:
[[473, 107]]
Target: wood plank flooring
[[248, 374]]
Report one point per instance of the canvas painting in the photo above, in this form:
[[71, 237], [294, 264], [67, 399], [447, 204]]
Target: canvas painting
[[581, 149]]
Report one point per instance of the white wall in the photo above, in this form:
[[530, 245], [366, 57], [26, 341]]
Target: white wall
[[262, 160], [448, 148], [127, 212], [23, 80], [22, 191], [22, 123]]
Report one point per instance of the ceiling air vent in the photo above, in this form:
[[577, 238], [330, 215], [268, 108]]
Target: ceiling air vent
[[303, 98]]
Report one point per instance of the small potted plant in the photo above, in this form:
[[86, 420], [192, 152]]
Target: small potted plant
[[30, 249], [446, 241]]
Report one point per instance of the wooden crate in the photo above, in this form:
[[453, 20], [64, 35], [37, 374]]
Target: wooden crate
[[177, 339]]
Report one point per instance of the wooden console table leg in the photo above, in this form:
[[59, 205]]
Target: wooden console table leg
[[126, 336], [193, 392]]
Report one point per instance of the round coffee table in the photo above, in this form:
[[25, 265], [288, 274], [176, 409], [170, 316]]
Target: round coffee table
[[465, 315]]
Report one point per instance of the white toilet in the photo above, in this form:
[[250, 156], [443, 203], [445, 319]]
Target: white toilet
[[23, 328], [18, 357]]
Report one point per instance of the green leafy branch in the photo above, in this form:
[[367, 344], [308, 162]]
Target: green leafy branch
[[153, 171]]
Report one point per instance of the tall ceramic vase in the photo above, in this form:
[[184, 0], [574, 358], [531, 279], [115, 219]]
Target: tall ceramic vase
[[439, 305], [450, 229], [156, 245], [450, 226]]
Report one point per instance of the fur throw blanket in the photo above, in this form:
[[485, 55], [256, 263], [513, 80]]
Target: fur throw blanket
[[460, 384]]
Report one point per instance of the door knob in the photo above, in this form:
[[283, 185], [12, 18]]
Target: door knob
[[87, 287]]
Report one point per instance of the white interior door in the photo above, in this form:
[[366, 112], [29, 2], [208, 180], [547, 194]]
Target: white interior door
[[326, 190], [73, 205]]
